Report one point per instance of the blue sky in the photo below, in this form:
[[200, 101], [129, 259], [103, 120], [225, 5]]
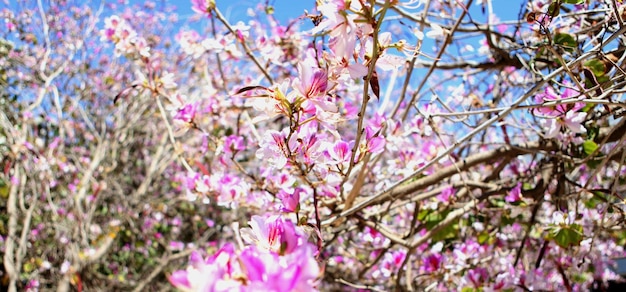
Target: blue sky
[[235, 10]]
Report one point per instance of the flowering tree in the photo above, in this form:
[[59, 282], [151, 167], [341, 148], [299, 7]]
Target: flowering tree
[[366, 145]]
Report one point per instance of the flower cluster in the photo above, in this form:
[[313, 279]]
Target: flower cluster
[[277, 258], [125, 38]]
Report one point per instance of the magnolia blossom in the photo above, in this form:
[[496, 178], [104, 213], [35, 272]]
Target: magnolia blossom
[[550, 95], [270, 272], [375, 143], [189, 42], [560, 218], [233, 143], [446, 195], [184, 118], [342, 28]]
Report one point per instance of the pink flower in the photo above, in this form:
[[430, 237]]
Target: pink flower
[[180, 280], [433, 262], [446, 194], [312, 82], [252, 269], [291, 202], [572, 121], [342, 28], [202, 6], [271, 272], [274, 149], [10, 26], [186, 114], [561, 115], [340, 152], [233, 144], [478, 276], [273, 234], [550, 95], [375, 143], [218, 273], [515, 195]]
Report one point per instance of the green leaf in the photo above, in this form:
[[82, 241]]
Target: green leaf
[[597, 198], [430, 219], [483, 238], [4, 189], [592, 132], [506, 220], [596, 67], [448, 232], [422, 214], [604, 79], [568, 236], [554, 9], [566, 40], [588, 106], [573, 1], [28, 267], [589, 147]]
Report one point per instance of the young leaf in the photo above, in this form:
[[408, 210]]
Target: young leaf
[[566, 40], [569, 236], [589, 147], [554, 9]]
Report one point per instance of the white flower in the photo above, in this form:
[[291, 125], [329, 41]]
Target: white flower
[[436, 31]]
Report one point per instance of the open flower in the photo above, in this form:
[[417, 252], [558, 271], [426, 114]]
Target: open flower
[[291, 202], [312, 82], [572, 121], [515, 194], [202, 6], [560, 116], [272, 234]]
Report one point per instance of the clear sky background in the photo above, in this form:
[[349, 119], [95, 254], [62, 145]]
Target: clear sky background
[[236, 10]]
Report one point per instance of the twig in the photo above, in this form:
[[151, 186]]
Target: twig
[[448, 40], [164, 262], [221, 18]]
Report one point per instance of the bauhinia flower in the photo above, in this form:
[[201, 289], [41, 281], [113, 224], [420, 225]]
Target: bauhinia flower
[[312, 82], [220, 272], [202, 6], [272, 233], [560, 116], [291, 202], [515, 194], [572, 121], [278, 260], [273, 148]]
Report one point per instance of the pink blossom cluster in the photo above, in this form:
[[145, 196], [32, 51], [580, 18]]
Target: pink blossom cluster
[[125, 38], [277, 257], [383, 148]]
